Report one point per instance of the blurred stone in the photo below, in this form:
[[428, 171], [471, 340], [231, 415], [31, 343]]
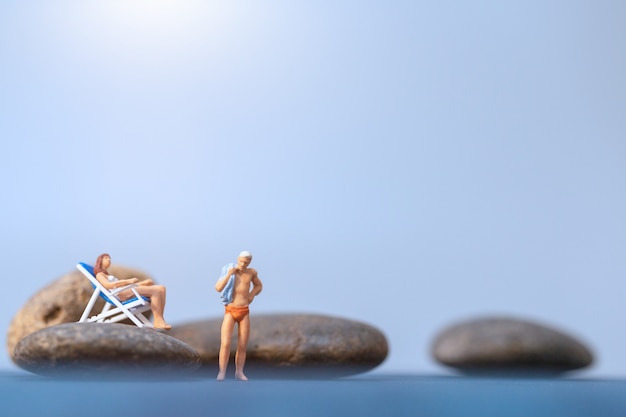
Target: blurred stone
[[61, 301], [292, 346], [104, 349], [500, 345]]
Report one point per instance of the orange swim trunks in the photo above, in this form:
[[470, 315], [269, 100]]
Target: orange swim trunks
[[238, 313]]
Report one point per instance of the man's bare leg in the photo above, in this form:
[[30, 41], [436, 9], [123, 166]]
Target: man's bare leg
[[226, 336], [242, 344]]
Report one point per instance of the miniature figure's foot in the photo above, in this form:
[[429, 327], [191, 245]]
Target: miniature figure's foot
[[221, 376], [161, 325], [241, 377]]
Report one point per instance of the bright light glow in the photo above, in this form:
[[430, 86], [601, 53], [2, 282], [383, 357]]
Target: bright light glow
[[153, 21], [145, 38], [153, 25], [156, 17]]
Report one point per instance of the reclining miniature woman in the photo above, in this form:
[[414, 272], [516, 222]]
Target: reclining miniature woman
[[156, 293]]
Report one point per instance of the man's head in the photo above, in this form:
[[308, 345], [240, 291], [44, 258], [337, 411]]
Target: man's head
[[243, 260]]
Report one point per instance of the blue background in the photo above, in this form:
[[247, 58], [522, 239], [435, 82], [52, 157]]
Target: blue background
[[407, 164]]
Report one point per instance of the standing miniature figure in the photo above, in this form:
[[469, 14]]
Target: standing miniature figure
[[234, 287]]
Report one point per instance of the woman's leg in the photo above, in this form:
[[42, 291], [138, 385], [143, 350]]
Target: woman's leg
[[156, 293]]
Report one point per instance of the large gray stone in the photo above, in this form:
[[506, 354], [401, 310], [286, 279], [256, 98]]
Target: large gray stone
[[61, 301], [293, 345], [508, 346], [104, 349]]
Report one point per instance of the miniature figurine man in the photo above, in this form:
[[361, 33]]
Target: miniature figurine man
[[236, 296]]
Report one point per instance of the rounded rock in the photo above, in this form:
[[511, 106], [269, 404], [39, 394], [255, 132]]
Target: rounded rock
[[502, 345], [61, 301], [293, 345], [104, 349]]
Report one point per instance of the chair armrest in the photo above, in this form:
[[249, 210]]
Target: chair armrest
[[135, 292], [120, 289], [127, 287]]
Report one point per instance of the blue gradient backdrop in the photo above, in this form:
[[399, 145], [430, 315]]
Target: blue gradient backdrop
[[407, 164]]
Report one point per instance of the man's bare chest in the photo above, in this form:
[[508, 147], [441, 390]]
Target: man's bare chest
[[243, 280]]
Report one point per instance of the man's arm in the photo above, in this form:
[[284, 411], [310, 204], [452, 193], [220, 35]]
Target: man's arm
[[257, 287], [221, 283]]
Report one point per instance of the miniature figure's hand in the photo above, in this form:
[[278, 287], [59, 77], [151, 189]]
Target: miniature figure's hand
[[250, 298], [124, 282]]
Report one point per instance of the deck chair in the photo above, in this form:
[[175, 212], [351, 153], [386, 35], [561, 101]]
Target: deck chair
[[114, 310]]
